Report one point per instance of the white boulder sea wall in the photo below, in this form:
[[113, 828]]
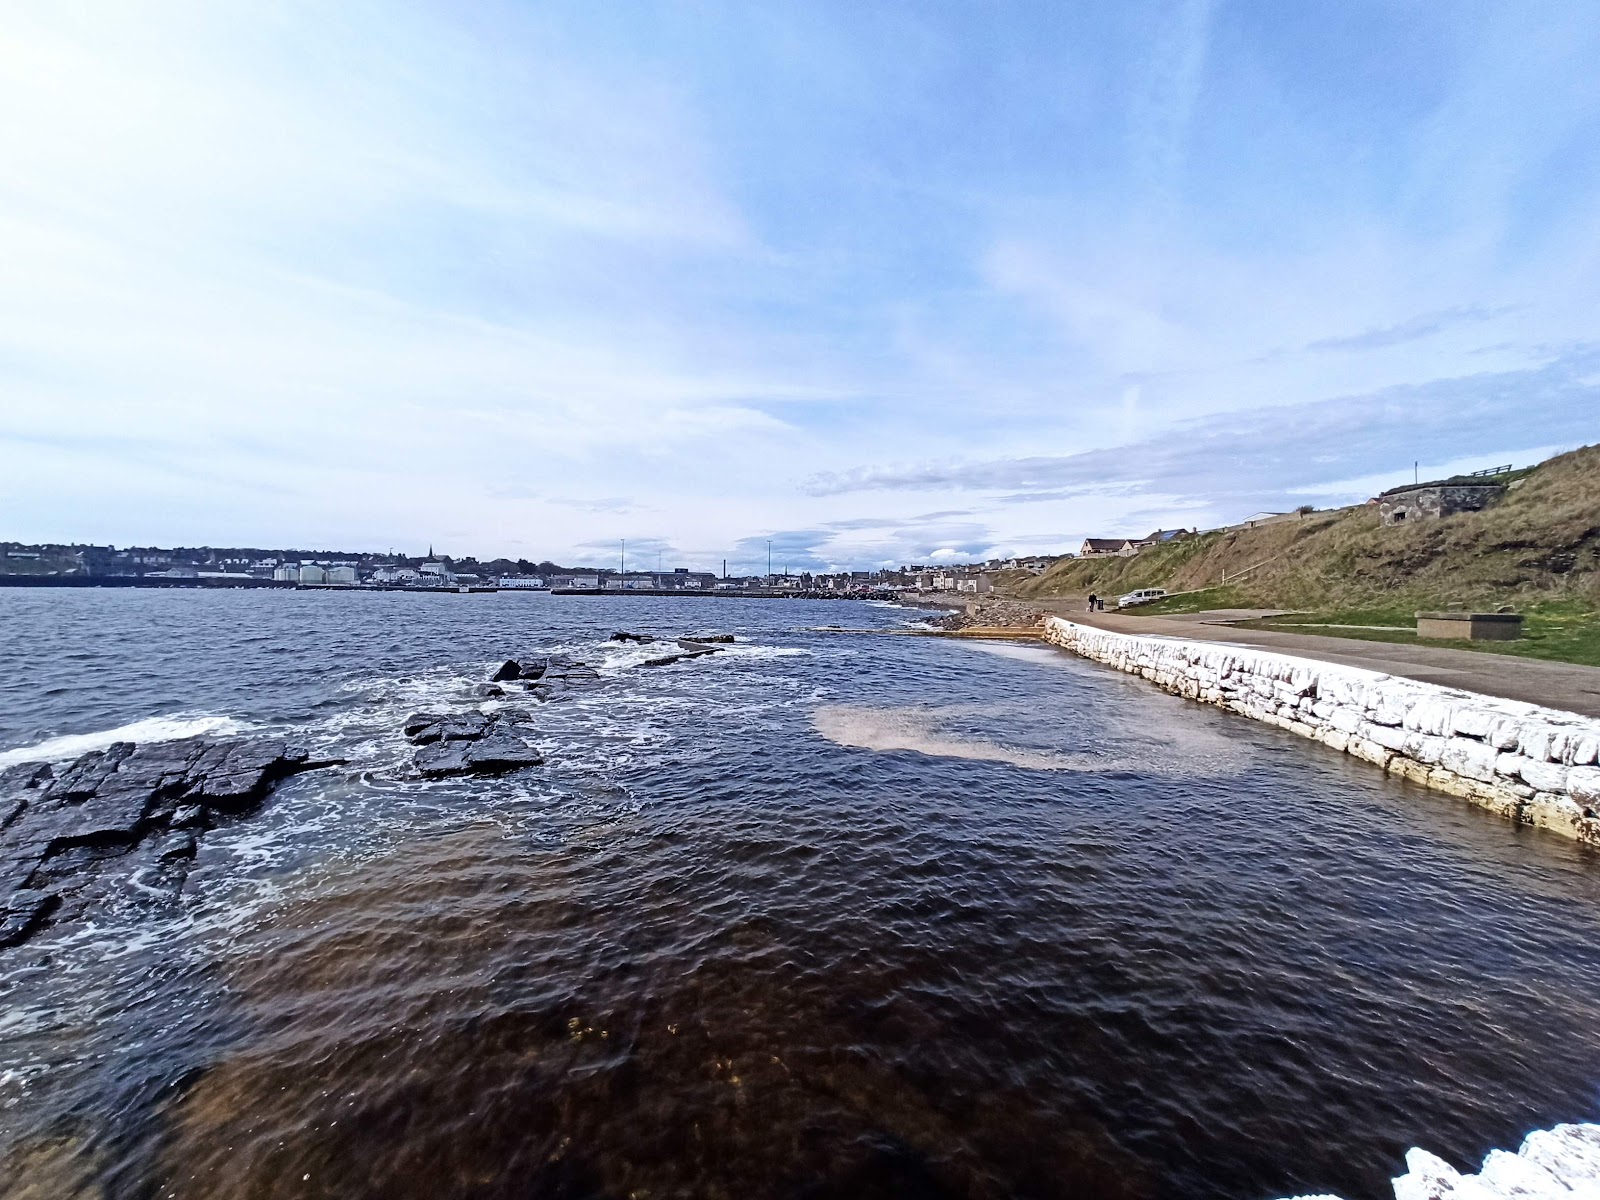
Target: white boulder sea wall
[[1533, 765], [1554, 1164]]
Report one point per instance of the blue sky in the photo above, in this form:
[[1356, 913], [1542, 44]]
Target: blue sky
[[880, 282]]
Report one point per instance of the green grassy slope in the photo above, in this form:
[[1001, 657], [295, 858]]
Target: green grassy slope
[[1540, 544]]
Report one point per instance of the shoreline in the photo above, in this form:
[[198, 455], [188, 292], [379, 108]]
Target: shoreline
[[1530, 763]]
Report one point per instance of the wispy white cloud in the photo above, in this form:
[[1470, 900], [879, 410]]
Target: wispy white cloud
[[284, 272]]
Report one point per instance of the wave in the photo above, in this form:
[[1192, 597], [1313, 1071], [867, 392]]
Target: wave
[[150, 729], [1553, 1164]]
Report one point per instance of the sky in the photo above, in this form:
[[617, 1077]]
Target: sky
[[876, 282]]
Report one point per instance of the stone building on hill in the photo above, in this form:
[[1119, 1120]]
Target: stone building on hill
[[1421, 502]]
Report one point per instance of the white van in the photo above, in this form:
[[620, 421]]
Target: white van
[[1142, 596]]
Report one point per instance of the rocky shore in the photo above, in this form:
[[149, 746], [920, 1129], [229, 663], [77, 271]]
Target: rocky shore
[[153, 802], [133, 815], [957, 612]]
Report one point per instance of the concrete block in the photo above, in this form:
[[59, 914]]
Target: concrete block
[[1423, 747], [1546, 777], [1510, 765], [1505, 733], [1472, 722], [1348, 719], [1471, 759], [1390, 738], [1583, 785]]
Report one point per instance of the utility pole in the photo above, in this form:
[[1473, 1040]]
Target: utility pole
[[624, 564], [769, 562], [1415, 477]]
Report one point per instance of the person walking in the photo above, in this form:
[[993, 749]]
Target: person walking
[[1093, 601]]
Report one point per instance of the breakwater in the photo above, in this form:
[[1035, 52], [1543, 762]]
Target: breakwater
[[1533, 765]]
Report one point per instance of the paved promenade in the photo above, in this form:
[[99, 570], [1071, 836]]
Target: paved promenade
[[1565, 686]]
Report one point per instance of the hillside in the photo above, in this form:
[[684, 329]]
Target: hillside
[[1540, 543]]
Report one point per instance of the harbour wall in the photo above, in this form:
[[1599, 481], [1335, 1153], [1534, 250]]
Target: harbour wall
[[1533, 765]]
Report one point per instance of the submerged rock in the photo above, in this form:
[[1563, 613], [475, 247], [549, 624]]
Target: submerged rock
[[623, 636], [510, 669], [691, 651]]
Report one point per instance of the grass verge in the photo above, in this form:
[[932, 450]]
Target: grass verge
[[1562, 631]]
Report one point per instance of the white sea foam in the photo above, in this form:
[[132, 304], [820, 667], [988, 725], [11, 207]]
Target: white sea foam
[[1554, 1164], [151, 729], [910, 729]]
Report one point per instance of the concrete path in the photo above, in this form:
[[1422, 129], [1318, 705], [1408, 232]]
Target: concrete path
[[1565, 686]]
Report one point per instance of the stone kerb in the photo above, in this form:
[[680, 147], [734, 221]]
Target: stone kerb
[[1533, 765]]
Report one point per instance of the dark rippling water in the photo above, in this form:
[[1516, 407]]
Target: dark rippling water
[[1073, 938]]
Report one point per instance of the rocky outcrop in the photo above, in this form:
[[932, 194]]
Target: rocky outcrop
[[470, 743], [624, 636], [56, 828], [691, 650], [494, 754], [1533, 765]]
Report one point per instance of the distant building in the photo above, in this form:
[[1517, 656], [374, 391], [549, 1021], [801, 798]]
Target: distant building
[[1162, 536], [1101, 547], [286, 574], [311, 573], [979, 584], [1400, 506], [521, 581], [344, 574]]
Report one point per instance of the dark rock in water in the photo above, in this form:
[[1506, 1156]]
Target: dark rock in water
[[20, 786], [460, 727], [721, 638], [24, 911], [691, 652], [84, 777], [418, 721], [178, 844], [233, 776], [57, 829], [534, 668], [489, 691], [187, 816], [493, 755], [698, 647], [510, 669], [624, 636]]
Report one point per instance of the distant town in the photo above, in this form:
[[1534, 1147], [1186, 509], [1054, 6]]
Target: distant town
[[82, 565], [208, 566], [23, 565]]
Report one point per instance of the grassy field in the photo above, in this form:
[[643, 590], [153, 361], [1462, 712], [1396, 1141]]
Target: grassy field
[[1560, 630], [1537, 551], [1565, 631], [1539, 545]]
